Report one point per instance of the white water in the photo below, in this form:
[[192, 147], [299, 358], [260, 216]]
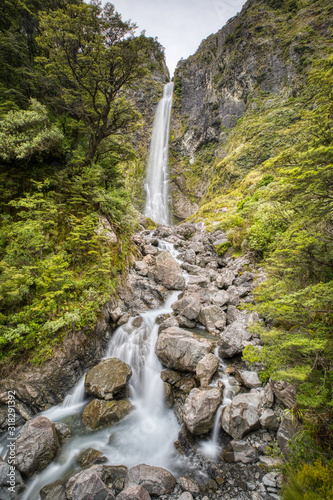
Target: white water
[[147, 434], [157, 179]]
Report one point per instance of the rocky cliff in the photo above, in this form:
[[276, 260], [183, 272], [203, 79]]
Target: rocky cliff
[[260, 54]]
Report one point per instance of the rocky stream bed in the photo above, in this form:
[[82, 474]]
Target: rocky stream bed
[[216, 423]]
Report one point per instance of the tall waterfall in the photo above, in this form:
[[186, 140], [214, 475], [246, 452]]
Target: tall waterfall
[[157, 179]]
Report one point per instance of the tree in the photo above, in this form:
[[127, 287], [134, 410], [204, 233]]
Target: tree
[[92, 61]]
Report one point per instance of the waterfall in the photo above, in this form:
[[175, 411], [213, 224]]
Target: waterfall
[[157, 179]]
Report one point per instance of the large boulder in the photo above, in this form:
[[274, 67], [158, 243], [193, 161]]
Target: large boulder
[[99, 414], [206, 368], [180, 349], [168, 272], [233, 339], [88, 484], [200, 408], [269, 420], [240, 451], [225, 278], [37, 444], [220, 298], [249, 379], [134, 493], [11, 482], [156, 480], [241, 416], [188, 306], [211, 315], [108, 379]]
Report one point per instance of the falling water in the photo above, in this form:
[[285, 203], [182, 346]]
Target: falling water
[[157, 180]]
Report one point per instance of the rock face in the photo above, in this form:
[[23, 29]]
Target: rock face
[[156, 480], [37, 445], [108, 379], [206, 368], [242, 415], [168, 272], [99, 413], [200, 408], [180, 349], [233, 339]]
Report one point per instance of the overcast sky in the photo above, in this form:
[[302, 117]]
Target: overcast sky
[[179, 25]]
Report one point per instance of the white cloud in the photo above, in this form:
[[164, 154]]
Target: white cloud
[[179, 25]]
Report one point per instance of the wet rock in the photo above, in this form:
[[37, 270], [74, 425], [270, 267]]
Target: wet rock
[[225, 278], [250, 379], [88, 484], [108, 379], [123, 319], [200, 408], [287, 430], [156, 480], [206, 368], [269, 420], [168, 272], [242, 415], [137, 322], [168, 395], [210, 315], [285, 392], [233, 340], [11, 482], [37, 444], [63, 431], [180, 349], [168, 323], [99, 414], [114, 477], [183, 382], [240, 451], [188, 306], [90, 456], [53, 491], [185, 322], [134, 493], [190, 485]]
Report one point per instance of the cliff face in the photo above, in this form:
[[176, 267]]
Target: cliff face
[[260, 51]]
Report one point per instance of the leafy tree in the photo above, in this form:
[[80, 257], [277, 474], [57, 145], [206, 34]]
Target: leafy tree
[[92, 61]]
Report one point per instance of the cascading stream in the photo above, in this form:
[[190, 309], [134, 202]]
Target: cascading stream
[[157, 179]]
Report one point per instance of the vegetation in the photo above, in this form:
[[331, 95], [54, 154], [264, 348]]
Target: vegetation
[[66, 122]]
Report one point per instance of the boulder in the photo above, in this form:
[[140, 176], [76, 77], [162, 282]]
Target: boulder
[[287, 430], [189, 484], [233, 339], [134, 493], [11, 482], [99, 414], [285, 392], [185, 323], [188, 306], [240, 451], [149, 250], [88, 484], [241, 416], [179, 380], [210, 315], [250, 379], [180, 349], [37, 444], [64, 431], [108, 379], [269, 420], [201, 281], [220, 298], [206, 368], [189, 256], [90, 456], [225, 278], [168, 395], [186, 496], [141, 267], [156, 480], [53, 491], [200, 408], [168, 272]]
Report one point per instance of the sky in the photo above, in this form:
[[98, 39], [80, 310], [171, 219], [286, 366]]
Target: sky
[[179, 25]]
